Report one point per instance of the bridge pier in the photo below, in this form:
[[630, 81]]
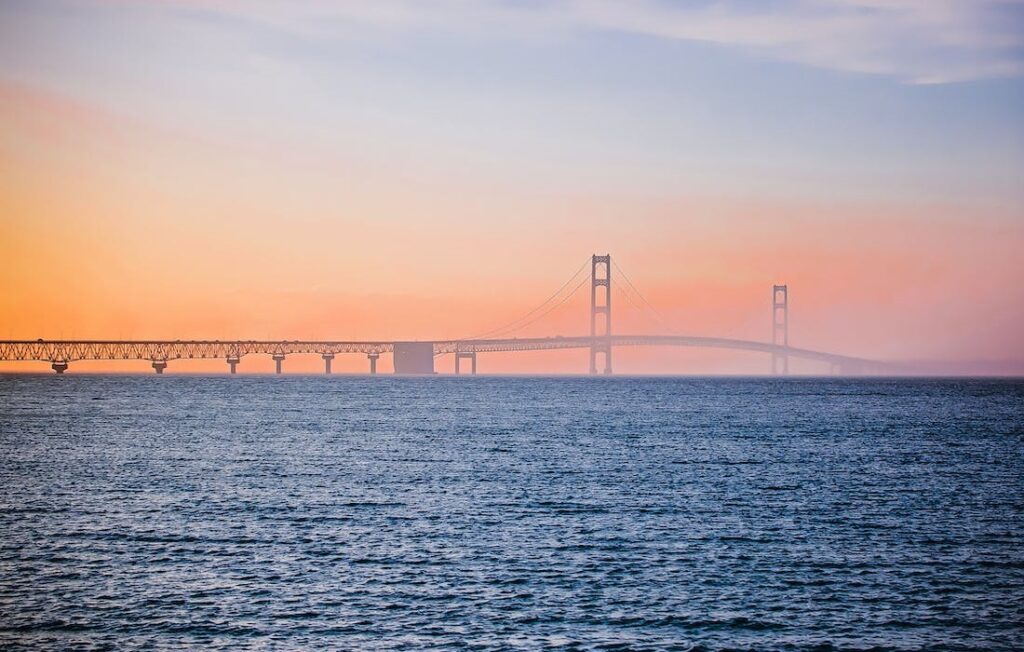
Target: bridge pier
[[159, 366], [328, 357], [469, 355], [604, 350], [60, 366], [278, 358], [851, 368], [372, 357], [233, 363], [414, 358]]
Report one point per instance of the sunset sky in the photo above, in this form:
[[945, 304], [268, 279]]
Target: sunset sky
[[404, 169]]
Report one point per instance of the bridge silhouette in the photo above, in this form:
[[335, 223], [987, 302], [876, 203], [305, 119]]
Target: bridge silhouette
[[417, 357]]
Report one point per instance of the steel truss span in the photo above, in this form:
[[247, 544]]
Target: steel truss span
[[70, 350], [64, 351]]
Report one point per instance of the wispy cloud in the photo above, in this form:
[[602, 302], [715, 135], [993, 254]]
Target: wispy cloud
[[924, 41], [919, 41]]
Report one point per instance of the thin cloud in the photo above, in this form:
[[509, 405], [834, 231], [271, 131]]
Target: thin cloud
[[922, 41], [919, 41]]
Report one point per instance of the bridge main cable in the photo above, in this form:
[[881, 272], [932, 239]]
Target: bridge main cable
[[515, 325]]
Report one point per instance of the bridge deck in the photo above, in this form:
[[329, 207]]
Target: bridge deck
[[156, 350]]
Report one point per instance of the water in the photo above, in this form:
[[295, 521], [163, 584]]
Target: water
[[498, 513]]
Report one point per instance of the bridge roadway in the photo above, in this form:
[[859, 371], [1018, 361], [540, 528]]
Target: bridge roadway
[[61, 352]]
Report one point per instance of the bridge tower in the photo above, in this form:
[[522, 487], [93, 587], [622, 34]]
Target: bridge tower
[[601, 338], [780, 326]]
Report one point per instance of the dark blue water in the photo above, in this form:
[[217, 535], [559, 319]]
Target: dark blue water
[[489, 513]]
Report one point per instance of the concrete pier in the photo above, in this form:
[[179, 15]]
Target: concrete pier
[[59, 366], [372, 357], [469, 355], [278, 359], [233, 363], [159, 366], [414, 357], [328, 357]]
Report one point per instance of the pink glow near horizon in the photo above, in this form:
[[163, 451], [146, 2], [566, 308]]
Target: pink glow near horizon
[[409, 195]]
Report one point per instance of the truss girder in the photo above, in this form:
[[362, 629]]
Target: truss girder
[[71, 350]]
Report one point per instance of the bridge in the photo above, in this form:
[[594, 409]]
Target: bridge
[[417, 357]]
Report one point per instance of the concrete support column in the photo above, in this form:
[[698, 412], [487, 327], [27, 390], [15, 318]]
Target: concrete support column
[[469, 355], [373, 361], [851, 368], [278, 358], [328, 357], [233, 363], [159, 366], [59, 366]]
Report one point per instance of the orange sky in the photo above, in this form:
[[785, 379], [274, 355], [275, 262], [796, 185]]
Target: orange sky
[[118, 224]]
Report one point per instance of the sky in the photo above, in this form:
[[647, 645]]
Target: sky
[[404, 169]]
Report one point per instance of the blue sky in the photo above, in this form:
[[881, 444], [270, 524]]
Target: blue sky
[[890, 99]]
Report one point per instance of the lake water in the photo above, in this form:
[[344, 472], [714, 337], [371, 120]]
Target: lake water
[[510, 513]]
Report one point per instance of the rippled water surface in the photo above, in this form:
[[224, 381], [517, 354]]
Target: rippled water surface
[[494, 513]]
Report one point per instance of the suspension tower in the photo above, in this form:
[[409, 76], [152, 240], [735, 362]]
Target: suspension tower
[[601, 339], [780, 327]]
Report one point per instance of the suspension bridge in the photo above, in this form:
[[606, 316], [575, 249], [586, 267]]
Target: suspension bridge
[[417, 357]]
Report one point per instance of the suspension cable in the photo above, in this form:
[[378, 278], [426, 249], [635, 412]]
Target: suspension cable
[[657, 315], [549, 310], [514, 324]]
